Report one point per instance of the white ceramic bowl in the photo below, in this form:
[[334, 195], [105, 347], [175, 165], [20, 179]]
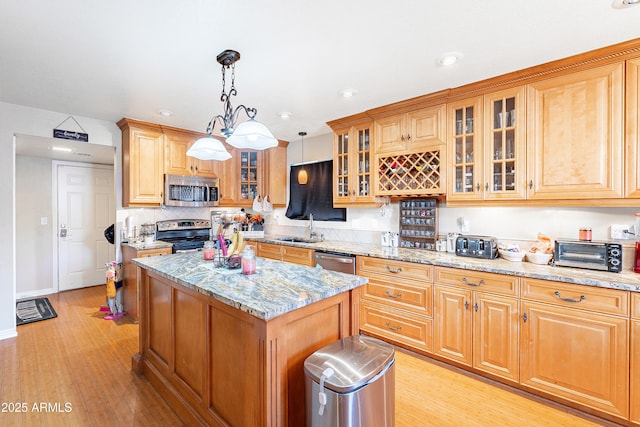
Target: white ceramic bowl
[[511, 256], [539, 257]]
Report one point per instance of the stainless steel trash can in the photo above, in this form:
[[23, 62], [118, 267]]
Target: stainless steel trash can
[[351, 383]]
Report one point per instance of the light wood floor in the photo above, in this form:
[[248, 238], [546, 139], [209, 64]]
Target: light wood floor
[[84, 362]]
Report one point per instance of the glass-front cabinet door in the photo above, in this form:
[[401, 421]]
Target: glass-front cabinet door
[[504, 145], [465, 142], [352, 166], [249, 177]]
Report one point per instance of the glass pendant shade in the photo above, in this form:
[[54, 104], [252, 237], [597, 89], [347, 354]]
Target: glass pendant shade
[[303, 177], [252, 135], [208, 148]]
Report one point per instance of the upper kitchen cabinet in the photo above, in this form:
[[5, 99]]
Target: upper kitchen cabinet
[[176, 161], [414, 131], [465, 149], [632, 120], [353, 164], [251, 173], [575, 135], [505, 145], [142, 164], [487, 147]]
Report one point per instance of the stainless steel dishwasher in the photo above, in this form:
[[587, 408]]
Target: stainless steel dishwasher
[[334, 261]]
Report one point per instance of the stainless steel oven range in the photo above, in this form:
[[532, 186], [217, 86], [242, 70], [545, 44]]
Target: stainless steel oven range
[[184, 234]]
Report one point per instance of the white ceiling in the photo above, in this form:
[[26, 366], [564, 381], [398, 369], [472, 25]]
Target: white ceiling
[[117, 58]]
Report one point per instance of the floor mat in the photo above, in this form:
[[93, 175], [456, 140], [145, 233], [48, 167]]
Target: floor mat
[[34, 310]]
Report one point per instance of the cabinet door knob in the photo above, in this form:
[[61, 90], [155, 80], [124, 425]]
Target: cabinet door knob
[[530, 184], [478, 186], [408, 136], [486, 186]]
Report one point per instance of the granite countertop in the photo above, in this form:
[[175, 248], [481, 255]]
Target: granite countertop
[[625, 280], [276, 288], [157, 244]]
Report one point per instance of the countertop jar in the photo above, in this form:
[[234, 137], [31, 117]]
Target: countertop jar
[[585, 234], [209, 250], [248, 260]]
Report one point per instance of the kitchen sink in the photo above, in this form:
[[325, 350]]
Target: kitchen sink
[[297, 239]]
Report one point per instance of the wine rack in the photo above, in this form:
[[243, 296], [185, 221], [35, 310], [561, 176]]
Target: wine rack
[[411, 174]]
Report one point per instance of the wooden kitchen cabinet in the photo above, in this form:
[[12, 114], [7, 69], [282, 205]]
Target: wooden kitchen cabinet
[[575, 344], [635, 358], [476, 320], [130, 289], [575, 135], [296, 255], [142, 164], [487, 147], [353, 165], [632, 131], [250, 173], [410, 132], [397, 303], [505, 145], [176, 161]]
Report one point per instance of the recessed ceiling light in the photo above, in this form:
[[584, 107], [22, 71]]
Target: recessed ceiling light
[[622, 4], [348, 93], [449, 58], [285, 115], [165, 113]]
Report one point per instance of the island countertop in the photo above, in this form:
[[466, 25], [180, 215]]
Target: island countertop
[[276, 288]]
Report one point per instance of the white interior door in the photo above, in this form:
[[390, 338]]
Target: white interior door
[[85, 209]]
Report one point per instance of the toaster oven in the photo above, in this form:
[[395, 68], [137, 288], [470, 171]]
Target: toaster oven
[[592, 255]]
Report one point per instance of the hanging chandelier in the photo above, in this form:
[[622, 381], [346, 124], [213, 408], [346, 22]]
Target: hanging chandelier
[[249, 134]]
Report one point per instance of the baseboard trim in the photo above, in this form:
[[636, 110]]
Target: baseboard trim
[[8, 333], [36, 293]]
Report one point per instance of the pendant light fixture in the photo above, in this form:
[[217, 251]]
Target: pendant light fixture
[[303, 178], [249, 134]]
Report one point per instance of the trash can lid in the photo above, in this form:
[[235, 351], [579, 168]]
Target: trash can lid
[[355, 360]]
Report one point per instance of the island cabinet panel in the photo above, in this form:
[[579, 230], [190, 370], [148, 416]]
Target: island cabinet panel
[[635, 358], [216, 365], [189, 343], [159, 333], [573, 348], [236, 349]]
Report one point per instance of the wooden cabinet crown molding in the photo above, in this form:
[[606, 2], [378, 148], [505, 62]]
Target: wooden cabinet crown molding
[[586, 60]]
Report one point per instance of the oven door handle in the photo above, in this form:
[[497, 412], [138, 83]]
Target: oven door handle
[[182, 251]]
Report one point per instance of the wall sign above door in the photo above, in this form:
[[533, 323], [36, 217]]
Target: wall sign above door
[[68, 134]]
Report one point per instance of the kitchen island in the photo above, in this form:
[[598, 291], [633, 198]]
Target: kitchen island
[[227, 349]]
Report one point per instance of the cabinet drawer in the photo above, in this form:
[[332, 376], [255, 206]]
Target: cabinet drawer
[[583, 297], [478, 280], [397, 269], [298, 255], [635, 305], [398, 326], [153, 252], [268, 250], [405, 295]]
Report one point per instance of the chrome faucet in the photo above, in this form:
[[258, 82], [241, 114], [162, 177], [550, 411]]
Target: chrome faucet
[[312, 228]]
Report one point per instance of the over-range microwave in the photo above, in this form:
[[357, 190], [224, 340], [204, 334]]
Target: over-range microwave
[[190, 191]]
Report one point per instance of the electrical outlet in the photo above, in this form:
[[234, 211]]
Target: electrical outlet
[[622, 232]]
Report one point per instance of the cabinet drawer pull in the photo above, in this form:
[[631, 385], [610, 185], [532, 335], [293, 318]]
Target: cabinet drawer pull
[[397, 270], [391, 328], [398, 295], [582, 297], [466, 282]]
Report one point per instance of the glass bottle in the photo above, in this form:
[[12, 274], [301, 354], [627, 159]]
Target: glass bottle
[[248, 260], [209, 250]]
